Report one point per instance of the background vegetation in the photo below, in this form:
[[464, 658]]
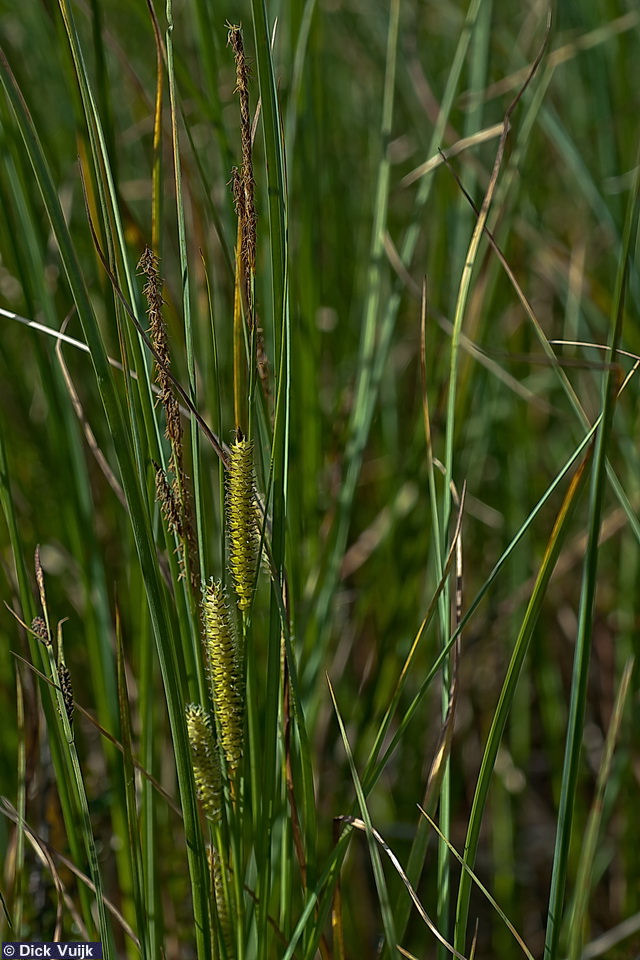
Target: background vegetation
[[366, 430]]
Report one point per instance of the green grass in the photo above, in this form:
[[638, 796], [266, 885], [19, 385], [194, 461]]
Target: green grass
[[393, 351]]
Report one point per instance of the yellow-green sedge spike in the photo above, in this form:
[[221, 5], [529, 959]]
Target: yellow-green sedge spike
[[218, 885], [204, 759], [241, 519], [225, 673]]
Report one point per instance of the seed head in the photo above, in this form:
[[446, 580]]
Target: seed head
[[152, 290], [241, 519], [204, 758], [39, 628], [165, 496], [247, 187], [225, 673], [217, 881], [67, 690]]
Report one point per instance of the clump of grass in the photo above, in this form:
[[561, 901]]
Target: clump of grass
[[344, 470]]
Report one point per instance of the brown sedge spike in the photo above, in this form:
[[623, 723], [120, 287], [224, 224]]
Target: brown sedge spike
[[243, 187], [67, 690], [43, 594], [39, 629], [204, 760], [65, 679], [166, 497], [242, 520], [225, 673], [247, 185], [174, 499], [40, 578]]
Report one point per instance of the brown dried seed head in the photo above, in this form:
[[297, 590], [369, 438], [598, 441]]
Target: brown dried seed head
[[152, 290], [165, 495], [237, 192], [39, 628], [40, 578], [174, 498], [246, 210], [67, 690]]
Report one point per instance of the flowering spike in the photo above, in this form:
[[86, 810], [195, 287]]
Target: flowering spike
[[218, 883], [225, 673], [206, 769], [241, 520]]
